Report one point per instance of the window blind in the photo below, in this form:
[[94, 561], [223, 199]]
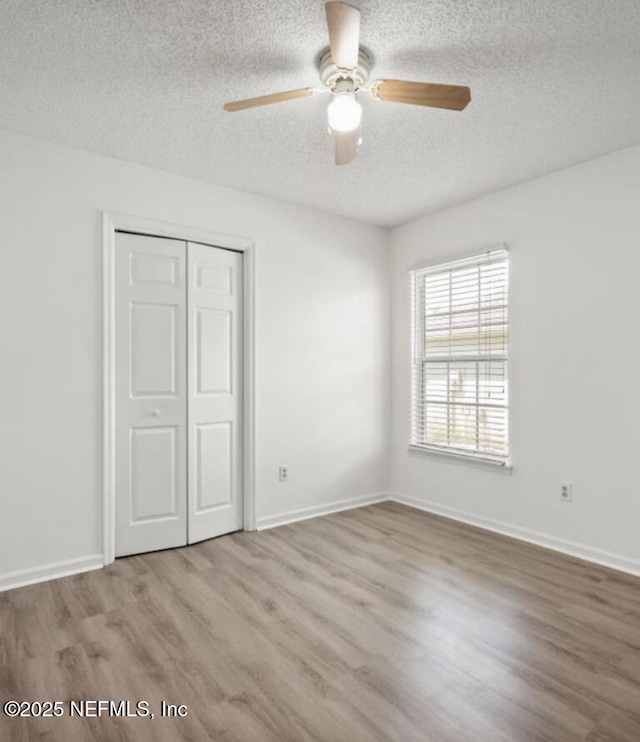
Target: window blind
[[459, 401]]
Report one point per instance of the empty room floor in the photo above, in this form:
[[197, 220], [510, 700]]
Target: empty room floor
[[381, 623]]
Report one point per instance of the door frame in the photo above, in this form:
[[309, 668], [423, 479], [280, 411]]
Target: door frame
[[111, 223]]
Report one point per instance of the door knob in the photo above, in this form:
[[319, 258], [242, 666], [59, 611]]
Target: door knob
[[155, 413]]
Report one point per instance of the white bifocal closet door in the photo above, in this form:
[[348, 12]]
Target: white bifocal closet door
[[215, 391], [178, 436], [151, 389]]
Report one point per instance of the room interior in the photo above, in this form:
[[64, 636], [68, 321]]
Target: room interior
[[379, 593]]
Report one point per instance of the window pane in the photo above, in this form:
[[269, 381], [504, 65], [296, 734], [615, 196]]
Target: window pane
[[492, 383], [437, 343], [436, 382], [465, 287], [462, 383], [465, 342], [493, 430], [436, 429], [462, 425]]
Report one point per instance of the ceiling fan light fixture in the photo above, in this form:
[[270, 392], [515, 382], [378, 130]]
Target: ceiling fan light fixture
[[344, 112], [344, 67]]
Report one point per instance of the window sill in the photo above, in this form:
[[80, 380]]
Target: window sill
[[461, 458]]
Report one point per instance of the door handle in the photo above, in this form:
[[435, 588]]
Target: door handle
[[155, 413]]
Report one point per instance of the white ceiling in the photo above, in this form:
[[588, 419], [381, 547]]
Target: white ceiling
[[553, 82]]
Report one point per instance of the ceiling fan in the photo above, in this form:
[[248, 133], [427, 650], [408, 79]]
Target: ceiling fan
[[344, 68]]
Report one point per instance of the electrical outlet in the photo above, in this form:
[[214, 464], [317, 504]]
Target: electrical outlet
[[284, 473], [565, 492]]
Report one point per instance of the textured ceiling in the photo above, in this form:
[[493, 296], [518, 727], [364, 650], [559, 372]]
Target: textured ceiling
[[553, 82]]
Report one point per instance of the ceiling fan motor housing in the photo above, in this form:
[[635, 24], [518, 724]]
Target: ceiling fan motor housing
[[331, 75]]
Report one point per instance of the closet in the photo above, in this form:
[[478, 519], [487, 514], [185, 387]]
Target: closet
[[178, 378]]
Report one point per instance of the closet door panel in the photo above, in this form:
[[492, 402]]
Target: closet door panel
[[213, 466], [212, 351], [151, 394], [155, 465], [215, 391]]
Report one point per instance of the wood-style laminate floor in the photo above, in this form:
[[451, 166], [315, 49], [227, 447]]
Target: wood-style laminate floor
[[377, 624]]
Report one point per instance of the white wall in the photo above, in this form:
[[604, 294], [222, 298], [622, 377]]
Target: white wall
[[321, 354], [575, 345]]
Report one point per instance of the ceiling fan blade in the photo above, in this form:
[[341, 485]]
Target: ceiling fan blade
[[346, 146], [265, 100], [453, 97], [343, 21]]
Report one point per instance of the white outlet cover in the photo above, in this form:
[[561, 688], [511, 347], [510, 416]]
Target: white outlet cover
[[566, 494]]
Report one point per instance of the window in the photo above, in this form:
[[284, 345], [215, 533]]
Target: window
[[459, 399]]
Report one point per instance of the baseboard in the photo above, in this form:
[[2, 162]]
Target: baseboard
[[52, 571], [618, 562], [571, 548], [291, 516]]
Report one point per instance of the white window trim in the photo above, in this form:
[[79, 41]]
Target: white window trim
[[482, 460], [463, 458]]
